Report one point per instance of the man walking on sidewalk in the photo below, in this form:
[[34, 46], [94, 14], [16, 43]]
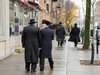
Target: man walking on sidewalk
[[47, 35], [60, 33], [74, 35], [31, 40], [51, 26]]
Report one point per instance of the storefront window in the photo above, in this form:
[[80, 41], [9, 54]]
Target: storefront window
[[31, 13], [34, 15], [16, 18], [26, 16], [37, 18], [11, 17], [1, 17], [21, 15]]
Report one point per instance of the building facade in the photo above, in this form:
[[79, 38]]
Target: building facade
[[14, 16], [51, 7], [42, 15]]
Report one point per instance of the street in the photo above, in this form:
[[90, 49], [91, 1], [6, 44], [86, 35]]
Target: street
[[66, 62]]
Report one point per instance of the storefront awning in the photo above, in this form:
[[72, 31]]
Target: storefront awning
[[38, 6], [24, 1]]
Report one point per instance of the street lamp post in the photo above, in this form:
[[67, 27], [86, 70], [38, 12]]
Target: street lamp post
[[79, 16]]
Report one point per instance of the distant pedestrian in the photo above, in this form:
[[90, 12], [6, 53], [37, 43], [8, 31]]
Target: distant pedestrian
[[71, 27], [47, 35], [31, 40], [74, 35], [68, 28], [60, 33], [51, 26]]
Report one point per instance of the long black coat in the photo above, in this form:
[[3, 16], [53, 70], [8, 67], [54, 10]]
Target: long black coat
[[47, 35], [60, 32], [51, 27], [31, 40], [74, 35]]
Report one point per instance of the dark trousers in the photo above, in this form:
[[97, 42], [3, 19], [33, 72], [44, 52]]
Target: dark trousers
[[60, 43], [33, 66], [75, 42], [42, 63]]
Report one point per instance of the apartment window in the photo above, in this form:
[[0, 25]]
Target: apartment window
[[47, 7], [1, 17]]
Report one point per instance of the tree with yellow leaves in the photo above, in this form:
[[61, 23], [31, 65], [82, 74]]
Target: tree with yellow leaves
[[69, 13]]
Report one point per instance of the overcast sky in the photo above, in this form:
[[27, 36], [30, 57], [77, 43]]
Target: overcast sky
[[78, 3]]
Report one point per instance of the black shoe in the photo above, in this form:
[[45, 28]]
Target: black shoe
[[33, 71], [58, 44], [27, 69], [52, 68], [41, 69], [61, 44], [75, 45]]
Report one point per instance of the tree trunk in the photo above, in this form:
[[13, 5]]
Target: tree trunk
[[87, 25]]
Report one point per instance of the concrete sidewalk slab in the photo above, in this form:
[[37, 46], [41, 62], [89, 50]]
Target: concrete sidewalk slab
[[74, 57], [15, 65]]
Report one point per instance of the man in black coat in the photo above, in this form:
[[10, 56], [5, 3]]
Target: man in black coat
[[74, 35], [50, 26], [60, 33], [47, 35], [31, 40]]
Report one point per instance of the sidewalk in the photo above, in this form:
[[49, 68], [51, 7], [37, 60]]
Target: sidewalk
[[66, 62], [15, 65], [74, 57]]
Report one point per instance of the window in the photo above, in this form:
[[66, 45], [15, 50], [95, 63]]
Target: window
[[26, 16], [34, 14], [31, 13], [1, 17], [36, 18], [19, 16], [21, 10], [16, 18], [47, 7], [11, 17]]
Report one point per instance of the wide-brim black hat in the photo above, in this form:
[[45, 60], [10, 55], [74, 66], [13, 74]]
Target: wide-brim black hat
[[45, 22], [32, 21]]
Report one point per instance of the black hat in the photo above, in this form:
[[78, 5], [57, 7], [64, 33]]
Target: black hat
[[75, 24], [51, 23], [32, 21], [45, 22], [60, 22]]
